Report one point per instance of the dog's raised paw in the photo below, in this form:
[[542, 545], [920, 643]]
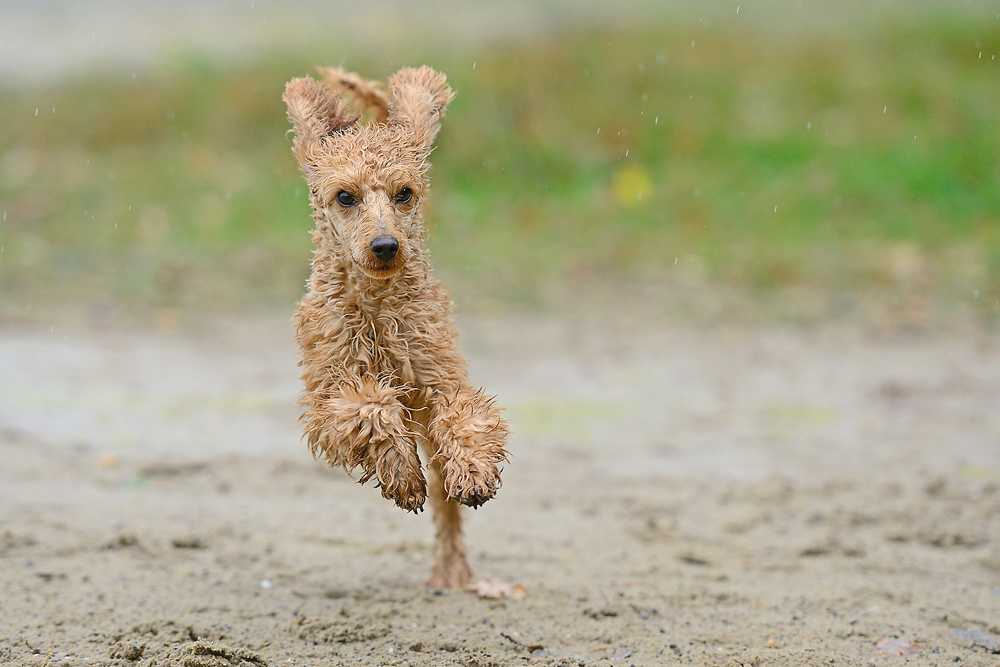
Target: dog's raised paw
[[474, 499], [475, 490], [410, 498]]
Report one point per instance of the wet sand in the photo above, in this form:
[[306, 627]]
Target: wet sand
[[680, 494]]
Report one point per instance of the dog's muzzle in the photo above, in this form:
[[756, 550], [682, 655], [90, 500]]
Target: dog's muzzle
[[384, 248]]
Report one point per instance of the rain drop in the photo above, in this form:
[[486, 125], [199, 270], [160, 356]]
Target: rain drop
[[675, 261], [809, 125], [884, 109], [626, 153], [775, 209], [656, 120], [473, 64], [737, 9], [598, 130], [36, 111]]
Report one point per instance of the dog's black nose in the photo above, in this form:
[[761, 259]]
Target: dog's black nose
[[385, 248]]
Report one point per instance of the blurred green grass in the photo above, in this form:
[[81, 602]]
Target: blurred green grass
[[827, 168]]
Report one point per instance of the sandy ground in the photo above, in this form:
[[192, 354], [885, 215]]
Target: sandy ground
[[730, 495]]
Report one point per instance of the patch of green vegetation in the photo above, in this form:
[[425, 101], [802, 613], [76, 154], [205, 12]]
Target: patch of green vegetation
[[827, 163]]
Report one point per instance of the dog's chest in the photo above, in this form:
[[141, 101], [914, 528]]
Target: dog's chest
[[378, 344]]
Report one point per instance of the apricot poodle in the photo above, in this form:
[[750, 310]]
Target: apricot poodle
[[380, 365]]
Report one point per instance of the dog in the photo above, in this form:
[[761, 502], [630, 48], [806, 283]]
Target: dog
[[381, 369]]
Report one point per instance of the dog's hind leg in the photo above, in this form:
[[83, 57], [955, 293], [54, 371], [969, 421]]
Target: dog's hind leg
[[450, 567]]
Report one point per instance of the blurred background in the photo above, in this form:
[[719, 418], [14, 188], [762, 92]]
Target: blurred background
[[788, 159]]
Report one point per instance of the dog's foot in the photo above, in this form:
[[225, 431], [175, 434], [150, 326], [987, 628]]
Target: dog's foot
[[470, 480], [399, 479], [408, 494], [450, 573]]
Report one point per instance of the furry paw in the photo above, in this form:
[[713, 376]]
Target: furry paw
[[396, 469], [400, 480], [470, 481], [408, 494]]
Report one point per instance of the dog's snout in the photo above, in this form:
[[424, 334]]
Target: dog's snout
[[385, 248]]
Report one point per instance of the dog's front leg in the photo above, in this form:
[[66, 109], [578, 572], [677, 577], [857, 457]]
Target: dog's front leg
[[360, 422], [468, 436]]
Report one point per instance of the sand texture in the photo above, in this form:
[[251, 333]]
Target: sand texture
[[679, 495]]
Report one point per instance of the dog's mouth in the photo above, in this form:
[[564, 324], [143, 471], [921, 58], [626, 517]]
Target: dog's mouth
[[375, 268], [381, 271]]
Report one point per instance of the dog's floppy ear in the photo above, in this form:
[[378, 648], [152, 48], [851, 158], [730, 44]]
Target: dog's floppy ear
[[418, 99], [315, 114]]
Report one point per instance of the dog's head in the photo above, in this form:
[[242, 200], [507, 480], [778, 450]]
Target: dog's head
[[367, 182]]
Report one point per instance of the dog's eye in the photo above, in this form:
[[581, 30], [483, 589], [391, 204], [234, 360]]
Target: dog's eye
[[404, 196], [346, 199]]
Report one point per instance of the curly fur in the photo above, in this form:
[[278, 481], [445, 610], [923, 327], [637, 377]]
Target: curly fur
[[381, 369]]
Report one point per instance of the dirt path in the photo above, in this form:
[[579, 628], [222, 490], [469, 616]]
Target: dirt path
[[732, 496]]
